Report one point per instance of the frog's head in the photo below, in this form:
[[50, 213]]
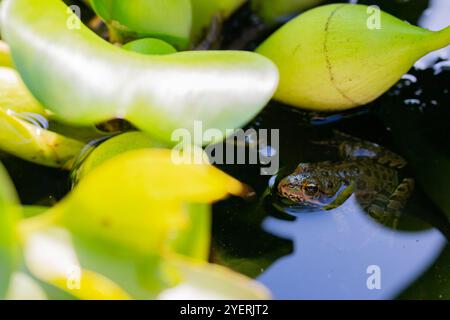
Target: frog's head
[[311, 188]]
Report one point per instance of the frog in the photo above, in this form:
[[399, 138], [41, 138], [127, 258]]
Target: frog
[[366, 169]]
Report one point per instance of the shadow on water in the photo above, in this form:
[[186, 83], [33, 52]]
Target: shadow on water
[[335, 250], [336, 254]]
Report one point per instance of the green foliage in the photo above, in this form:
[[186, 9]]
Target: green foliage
[[223, 89], [169, 20], [150, 46], [130, 232], [341, 56], [9, 215]]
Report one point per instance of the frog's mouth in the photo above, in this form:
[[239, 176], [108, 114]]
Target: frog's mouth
[[300, 198], [297, 197]]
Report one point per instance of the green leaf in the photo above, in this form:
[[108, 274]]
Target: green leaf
[[113, 147], [195, 240], [151, 189], [15, 96], [23, 287], [35, 144], [158, 94], [5, 55], [169, 20], [123, 226], [341, 56], [150, 46], [204, 281], [9, 215], [51, 257]]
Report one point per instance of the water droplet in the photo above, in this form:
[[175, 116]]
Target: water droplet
[[410, 79], [412, 102]]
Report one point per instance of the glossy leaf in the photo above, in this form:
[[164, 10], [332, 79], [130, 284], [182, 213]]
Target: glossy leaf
[[70, 70], [115, 146], [5, 55], [205, 281], [15, 96], [195, 240], [50, 256], [23, 287], [9, 215], [169, 20], [341, 56], [140, 183], [150, 46], [35, 144]]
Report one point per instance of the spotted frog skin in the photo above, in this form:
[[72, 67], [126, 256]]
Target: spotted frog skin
[[366, 169]]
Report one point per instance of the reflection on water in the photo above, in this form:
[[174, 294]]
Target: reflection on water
[[333, 249], [435, 18]]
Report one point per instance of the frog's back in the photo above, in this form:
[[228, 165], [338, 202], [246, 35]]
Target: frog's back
[[369, 176]]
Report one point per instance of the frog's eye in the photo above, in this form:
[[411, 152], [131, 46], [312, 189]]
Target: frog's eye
[[330, 185], [311, 189]]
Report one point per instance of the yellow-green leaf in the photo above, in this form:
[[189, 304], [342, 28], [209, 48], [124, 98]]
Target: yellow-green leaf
[[14, 95], [204, 281], [141, 193], [5, 55], [35, 144], [9, 215]]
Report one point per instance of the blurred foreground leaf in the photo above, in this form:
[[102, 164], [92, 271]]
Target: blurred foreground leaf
[[9, 216], [116, 235]]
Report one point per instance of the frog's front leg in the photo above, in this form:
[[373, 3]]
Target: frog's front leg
[[387, 209], [343, 196], [352, 148]]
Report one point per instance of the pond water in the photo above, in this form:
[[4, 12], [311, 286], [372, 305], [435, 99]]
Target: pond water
[[341, 253]]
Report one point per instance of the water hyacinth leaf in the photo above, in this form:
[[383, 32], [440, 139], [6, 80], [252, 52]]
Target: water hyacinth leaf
[[281, 10], [23, 287], [50, 256], [158, 94], [195, 240], [141, 276], [15, 96], [205, 281], [32, 211], [35, 144], [5, 55], [169, 20], [140, 183], [115, 146], [9, 215], [150, 46], [341, 56], [204, 11]]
